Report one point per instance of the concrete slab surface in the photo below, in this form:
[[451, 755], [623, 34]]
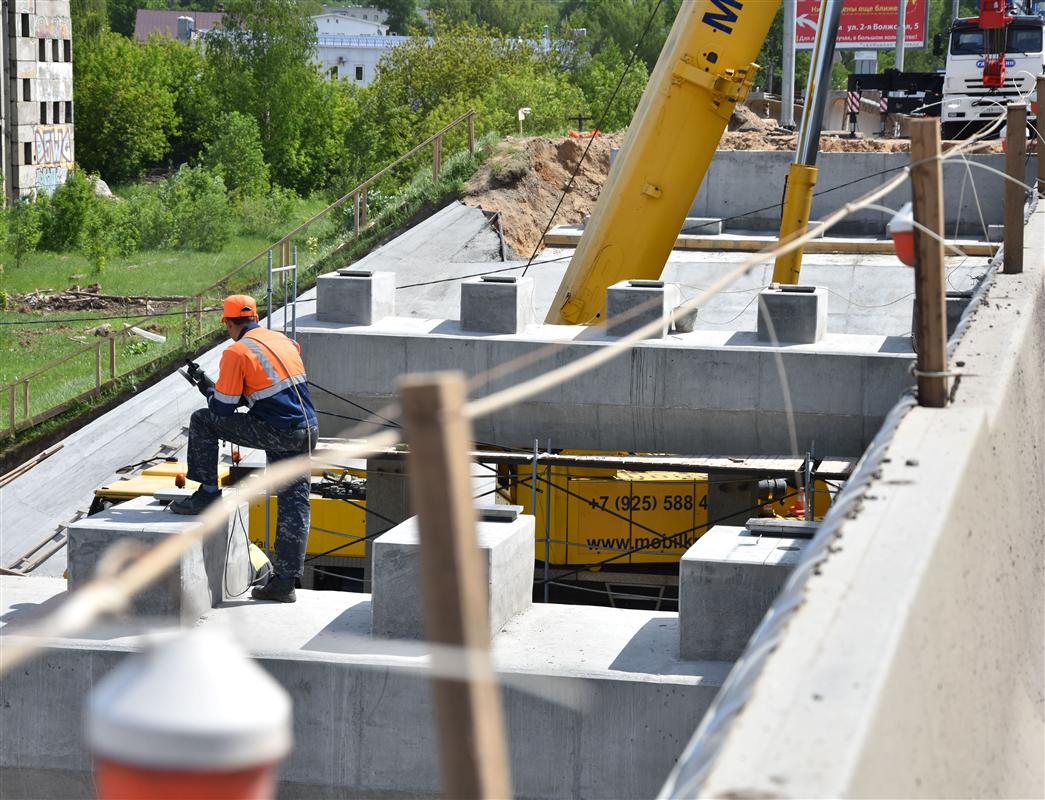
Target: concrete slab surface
[[597, 701]]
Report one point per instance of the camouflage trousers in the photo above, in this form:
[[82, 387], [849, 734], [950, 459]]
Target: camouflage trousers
[[292, 509]]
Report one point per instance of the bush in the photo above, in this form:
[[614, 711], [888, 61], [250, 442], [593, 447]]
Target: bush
[[262, 216], [236, 155], [198, 208], [68, 208], [149, 217], [24, 226], [98, 238]]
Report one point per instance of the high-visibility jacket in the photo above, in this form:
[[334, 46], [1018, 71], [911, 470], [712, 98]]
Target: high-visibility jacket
[[264, 370]]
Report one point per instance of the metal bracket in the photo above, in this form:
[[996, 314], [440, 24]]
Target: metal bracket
[[727, 87]]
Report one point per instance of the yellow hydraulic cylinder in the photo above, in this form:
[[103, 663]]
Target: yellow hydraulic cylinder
[[794, 219], [705, 68]]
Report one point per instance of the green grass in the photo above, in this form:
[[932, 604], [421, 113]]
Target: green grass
[[325, 246]]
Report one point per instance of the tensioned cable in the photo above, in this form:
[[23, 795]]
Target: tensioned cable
[[110, 592], [598, 126]]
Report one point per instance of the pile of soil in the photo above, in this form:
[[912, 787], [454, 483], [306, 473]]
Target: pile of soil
[[524, 178]]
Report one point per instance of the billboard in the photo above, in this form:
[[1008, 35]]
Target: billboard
[[865, 24]]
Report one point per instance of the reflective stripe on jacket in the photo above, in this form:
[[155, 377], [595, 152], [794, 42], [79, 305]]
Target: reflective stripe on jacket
[[264, 369]]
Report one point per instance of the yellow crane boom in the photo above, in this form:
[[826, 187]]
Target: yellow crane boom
[[705, 68]]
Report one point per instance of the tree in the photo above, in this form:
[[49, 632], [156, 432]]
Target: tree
[[90, 19], [23, 228], [597, 76], [260, 64], [125, 110], [402, 15], [623, 22], [510, 17], [235, 154]]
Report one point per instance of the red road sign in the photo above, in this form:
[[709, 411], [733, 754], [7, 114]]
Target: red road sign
[[865, 24]]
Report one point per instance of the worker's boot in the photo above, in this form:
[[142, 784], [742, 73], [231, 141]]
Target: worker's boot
[[279, 589], [195, 504]]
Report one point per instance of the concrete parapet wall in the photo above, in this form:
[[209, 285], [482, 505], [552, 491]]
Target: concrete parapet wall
[[915, 666], [743, 181], [597, 702], [643, 401]]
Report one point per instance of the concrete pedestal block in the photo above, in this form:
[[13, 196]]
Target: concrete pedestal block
[[798, 314], [355, 297], [497, 304], [195, 584], [702, 226], [506, 553], [658, 297], [727, 581]]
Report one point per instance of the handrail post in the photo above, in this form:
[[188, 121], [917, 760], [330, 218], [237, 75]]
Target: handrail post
[[11, 406], [437, 157], [1014, 196], [471, 135], [98, 365], [112, 357], [355, 201]]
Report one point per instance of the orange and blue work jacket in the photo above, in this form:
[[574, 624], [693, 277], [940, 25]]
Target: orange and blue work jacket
[[263, 369]]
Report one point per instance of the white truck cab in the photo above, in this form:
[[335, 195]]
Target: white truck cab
[[968, 105]]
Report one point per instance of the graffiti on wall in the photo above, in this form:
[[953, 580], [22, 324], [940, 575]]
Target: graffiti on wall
[[50, 178], [53, 145], [52, 155], [53, 27]]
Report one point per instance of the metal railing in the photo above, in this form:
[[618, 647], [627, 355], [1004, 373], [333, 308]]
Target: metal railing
[[279, 254]]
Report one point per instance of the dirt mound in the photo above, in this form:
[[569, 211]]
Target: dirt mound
[[524, 180]]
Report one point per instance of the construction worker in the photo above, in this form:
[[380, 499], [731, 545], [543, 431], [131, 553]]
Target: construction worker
[[262, 369]]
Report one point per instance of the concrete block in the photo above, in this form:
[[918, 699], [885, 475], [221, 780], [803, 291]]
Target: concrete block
[[355, 297], [196, 584], [727, 581], [497, 304], [506, 552], [657, 297], [798, 314], [702, 226]]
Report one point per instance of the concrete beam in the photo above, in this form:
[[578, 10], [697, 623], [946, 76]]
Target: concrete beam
[[700, 392]]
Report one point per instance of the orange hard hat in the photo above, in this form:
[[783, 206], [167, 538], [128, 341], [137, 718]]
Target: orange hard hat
[[239, 305]]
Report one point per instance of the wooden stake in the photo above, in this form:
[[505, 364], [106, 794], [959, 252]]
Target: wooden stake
[[929, 292], [468, 709], [1015, 167], [1039, 134]]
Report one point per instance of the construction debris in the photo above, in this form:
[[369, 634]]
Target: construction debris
[[79, 298]]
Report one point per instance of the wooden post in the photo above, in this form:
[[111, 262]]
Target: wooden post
[[112, 357], [1039, 133], [929, 291], [1015, 167], [469, 718], [362, 209], [471, 133], [11, 406], [98, 365], [437, 157]]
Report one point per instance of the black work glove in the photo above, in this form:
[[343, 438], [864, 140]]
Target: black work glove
[[199, 377]]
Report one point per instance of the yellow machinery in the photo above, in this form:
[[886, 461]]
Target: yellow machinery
[[654, 517], [705, 69]]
